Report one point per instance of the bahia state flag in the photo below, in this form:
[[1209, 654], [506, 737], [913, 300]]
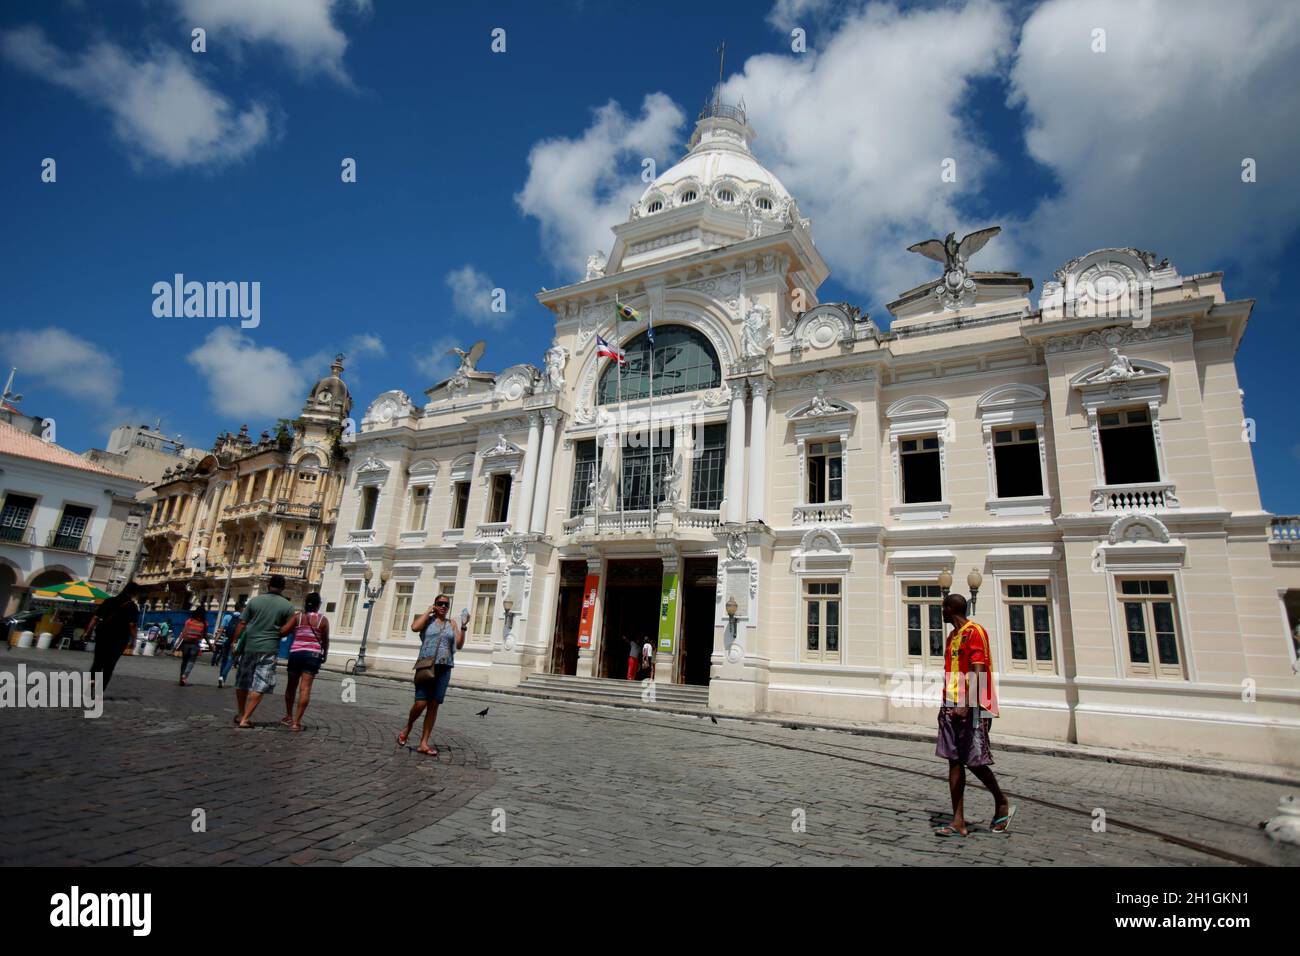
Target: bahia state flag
[[626, 312], [604, 349]]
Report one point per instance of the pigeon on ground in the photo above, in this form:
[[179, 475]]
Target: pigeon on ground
[[712, 718], [483, 712], [1285, 827]]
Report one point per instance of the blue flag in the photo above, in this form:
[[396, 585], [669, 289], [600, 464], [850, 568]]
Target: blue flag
[[650, 328]]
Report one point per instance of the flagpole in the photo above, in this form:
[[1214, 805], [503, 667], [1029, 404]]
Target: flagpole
[[622, 417], [650, 324]]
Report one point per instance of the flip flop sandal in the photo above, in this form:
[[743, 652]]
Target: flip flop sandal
[[1005, 821], [401, 739], [427, 753], [948, 831], [287, 721]]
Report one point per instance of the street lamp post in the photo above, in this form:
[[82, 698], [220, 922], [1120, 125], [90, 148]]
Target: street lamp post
[[731, 620], [973, 581], [372, 595], [945, 581]]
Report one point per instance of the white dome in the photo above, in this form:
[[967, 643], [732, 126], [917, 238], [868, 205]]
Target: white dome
[[719, 168]]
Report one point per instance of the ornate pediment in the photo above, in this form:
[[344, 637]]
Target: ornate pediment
[[392, 406], [1138, 529]]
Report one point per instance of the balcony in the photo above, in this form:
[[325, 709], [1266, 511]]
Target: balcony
[[19, 536], [832, 512], [1284, 530], [62, 541], [247, 509], [614, 523], [494, 531], [293, 570], [1132, 499], [289, 509]]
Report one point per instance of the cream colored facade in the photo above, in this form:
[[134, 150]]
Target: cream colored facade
[[223, 523], [1086, 454]]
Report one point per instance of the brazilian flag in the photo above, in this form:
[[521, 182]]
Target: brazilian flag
[[626, 312]]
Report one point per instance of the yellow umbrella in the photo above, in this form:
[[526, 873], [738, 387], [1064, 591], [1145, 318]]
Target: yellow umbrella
[[82, 592]]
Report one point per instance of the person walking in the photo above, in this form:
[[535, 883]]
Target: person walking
[[258, 639], [970, 703], [191, 638], [310, 647], [647, 658], [440, 638], [228, 656], [633, 656], [112, 629], [165, 636]]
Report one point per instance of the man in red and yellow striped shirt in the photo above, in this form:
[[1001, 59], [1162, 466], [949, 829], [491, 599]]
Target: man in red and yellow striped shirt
[[970, 703]]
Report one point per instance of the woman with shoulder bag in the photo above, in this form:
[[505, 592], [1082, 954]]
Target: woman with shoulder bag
[[310, 647], [190, 640], [440, 639]]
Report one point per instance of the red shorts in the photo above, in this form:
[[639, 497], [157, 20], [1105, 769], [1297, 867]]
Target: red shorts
[[633, 663]]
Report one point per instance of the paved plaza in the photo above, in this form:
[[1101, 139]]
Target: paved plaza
[[163, 777]]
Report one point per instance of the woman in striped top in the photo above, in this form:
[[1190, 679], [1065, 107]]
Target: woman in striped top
[[311, 645]]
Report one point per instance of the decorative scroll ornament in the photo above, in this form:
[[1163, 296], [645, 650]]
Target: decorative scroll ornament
[[737, 545]]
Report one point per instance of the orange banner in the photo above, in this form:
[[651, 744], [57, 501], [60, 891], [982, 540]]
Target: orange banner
[[588, 609]]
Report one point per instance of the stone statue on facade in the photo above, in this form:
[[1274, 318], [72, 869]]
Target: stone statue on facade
[[607, 485], [672, 483], [957, 288], [556, 357], [756, 337], [1118, 369], [596, 263]]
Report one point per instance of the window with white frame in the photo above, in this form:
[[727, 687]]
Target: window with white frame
[[499, 499], [1128, 446], [920, 469], [15, 518], [586, 464], [401, 619], [821, 607], [1029, 625], [369, 506], [923, 617], [1016, 462], [351, 596], [485, 604], [419, 507], [1149, 616], [459, 503], [825, 463]]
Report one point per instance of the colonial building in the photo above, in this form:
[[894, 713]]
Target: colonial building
[[62, 518], [778, 493], [221, 524]]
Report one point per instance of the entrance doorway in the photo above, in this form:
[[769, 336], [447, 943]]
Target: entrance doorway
[[568, 618], [630, 610], [699, 597]]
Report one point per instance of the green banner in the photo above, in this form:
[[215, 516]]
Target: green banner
[[668, 613]]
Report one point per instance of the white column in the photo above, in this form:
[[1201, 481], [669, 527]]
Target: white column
[[524, 496], [758, 463], [542, 497], [736, 453]]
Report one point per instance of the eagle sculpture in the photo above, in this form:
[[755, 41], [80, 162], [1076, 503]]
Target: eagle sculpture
[[950, 252], [469, 360]]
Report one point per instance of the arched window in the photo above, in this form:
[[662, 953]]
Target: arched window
[[655, 206], [726, 195], [764, 203], [684, 361], [688, 196]]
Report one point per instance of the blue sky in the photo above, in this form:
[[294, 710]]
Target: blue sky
[[478, 170]]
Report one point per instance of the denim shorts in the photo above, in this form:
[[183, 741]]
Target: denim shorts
[[436, 689], [305, 662]]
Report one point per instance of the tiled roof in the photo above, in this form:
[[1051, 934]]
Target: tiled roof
[[21, 444]]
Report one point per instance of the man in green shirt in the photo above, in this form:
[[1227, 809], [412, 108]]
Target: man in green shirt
[[257, 640]]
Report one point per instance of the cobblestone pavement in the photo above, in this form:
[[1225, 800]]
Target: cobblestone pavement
[[545, 782]]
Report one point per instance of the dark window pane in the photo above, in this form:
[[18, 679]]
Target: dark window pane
[[1137, 633], [1166, 642], [684, 361], [921, 480], [1019, 473]]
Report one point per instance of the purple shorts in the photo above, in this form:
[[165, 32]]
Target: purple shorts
[[965, 741]]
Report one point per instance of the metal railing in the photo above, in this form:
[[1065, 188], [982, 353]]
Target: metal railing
[[62, 541], [16, 535]]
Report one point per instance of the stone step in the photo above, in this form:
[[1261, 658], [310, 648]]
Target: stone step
[[601, 687]]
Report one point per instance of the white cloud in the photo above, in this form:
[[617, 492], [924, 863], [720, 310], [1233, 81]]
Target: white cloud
[[304, 29], [1147, 138], [159, 105], [56, 359], [249, 381], [365, 344], [579, 188], [435, 363], [858, 130], [472, 296], [786, 14]]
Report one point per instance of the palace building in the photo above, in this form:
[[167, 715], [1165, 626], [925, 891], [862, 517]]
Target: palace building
[[221, 523], [777, 493]]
